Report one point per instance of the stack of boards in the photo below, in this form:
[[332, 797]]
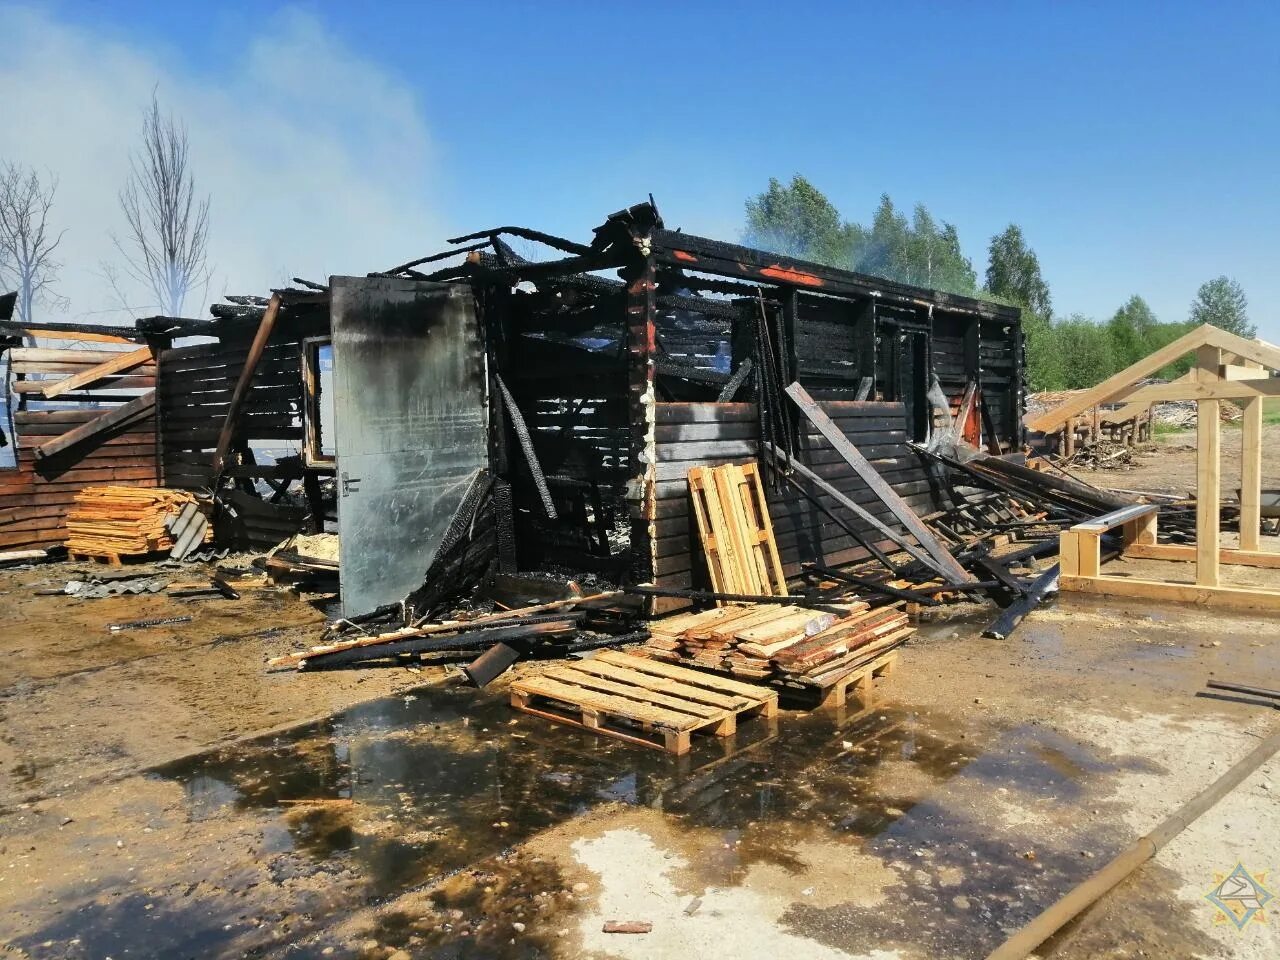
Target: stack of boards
[[112, 522], [783, 645]]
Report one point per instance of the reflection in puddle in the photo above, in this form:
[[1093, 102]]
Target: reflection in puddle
[[410, 791]]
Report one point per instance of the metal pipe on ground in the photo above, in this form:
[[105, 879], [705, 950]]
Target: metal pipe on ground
[[1021, 944]]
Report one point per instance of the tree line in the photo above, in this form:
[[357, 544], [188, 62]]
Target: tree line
[[162, 247], [1063, 352]]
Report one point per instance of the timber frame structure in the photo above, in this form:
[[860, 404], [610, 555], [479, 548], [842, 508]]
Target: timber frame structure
[[1227, 367]]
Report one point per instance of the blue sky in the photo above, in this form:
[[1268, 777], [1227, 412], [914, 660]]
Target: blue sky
[[1136, 144]]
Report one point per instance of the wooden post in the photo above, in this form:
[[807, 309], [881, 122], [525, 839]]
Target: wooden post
[[1069, 553], [1251, 472], [1089, 556], [242, 385], [1208, 471], [1141, 531]]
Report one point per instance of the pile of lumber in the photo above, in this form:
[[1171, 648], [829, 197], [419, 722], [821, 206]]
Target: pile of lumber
[[784, 645], [112, 522]]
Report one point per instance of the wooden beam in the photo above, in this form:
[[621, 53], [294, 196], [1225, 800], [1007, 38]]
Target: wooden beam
[[1228, 598], [1251, 472], [1184, 551], [1116, 385], [897, 506], [1208, 469], [125, 361], [1206, 390], [857, 510], [265, 326], [1132, 410], [73, 335], [114, 417], [1107, 389]]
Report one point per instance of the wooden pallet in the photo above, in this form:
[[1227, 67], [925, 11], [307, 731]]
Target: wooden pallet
[[834, 690], [640, 700], [737, 535], [114, 559]]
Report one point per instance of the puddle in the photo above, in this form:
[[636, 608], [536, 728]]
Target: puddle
[[414, 791]]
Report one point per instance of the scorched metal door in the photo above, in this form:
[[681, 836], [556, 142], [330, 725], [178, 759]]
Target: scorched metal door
[[410, 427]]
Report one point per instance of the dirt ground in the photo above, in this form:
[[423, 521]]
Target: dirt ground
[[1168, 465], [165, 796]]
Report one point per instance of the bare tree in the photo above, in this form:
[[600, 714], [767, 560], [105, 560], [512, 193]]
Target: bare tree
[[166, 246], [26, 243]]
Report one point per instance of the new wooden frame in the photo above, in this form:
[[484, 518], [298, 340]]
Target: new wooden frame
[[1227, 367]]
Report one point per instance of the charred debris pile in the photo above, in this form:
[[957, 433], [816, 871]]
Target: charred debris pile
[[503, 445]]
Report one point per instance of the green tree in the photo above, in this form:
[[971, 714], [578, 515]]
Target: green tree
[[1222, 303], [1044, 359], [797, 220], [887, 252], [1013, 272], [1086, 350], [1130, 329], [931, 256], [957, 274]]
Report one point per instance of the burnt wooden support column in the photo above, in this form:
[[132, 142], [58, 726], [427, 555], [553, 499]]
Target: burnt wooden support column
[[973, 362], [159, 345], [864, 342], [641, 282], [787, 342]]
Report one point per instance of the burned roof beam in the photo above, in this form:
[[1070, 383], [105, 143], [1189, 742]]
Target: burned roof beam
[[560, 243], [732, 260], [405, 267]]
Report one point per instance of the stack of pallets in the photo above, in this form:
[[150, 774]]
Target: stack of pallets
[[109, 522], [810, 652]]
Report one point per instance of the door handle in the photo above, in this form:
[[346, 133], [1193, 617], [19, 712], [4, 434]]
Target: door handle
[[350, 484]]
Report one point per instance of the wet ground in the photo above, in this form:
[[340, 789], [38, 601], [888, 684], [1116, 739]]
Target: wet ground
[[436, 822]]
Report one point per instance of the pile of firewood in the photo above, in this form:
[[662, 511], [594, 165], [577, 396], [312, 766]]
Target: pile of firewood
[[116, 522]]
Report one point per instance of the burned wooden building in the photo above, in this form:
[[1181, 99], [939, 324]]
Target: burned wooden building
[[479, 407]]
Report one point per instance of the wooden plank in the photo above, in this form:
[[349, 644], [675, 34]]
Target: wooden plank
[[1227, 598], [906, 516], [727, 631], [1116, 518], [143, 405], [118, 364], [654, 685], [707, 681], [554, 688], [1187, 552], [48, 334], [56, 355], [116, 383], [675, 627], [1202, 390]]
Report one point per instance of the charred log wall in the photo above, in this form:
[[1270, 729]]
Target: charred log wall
[[708, 434], [195, 388]]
